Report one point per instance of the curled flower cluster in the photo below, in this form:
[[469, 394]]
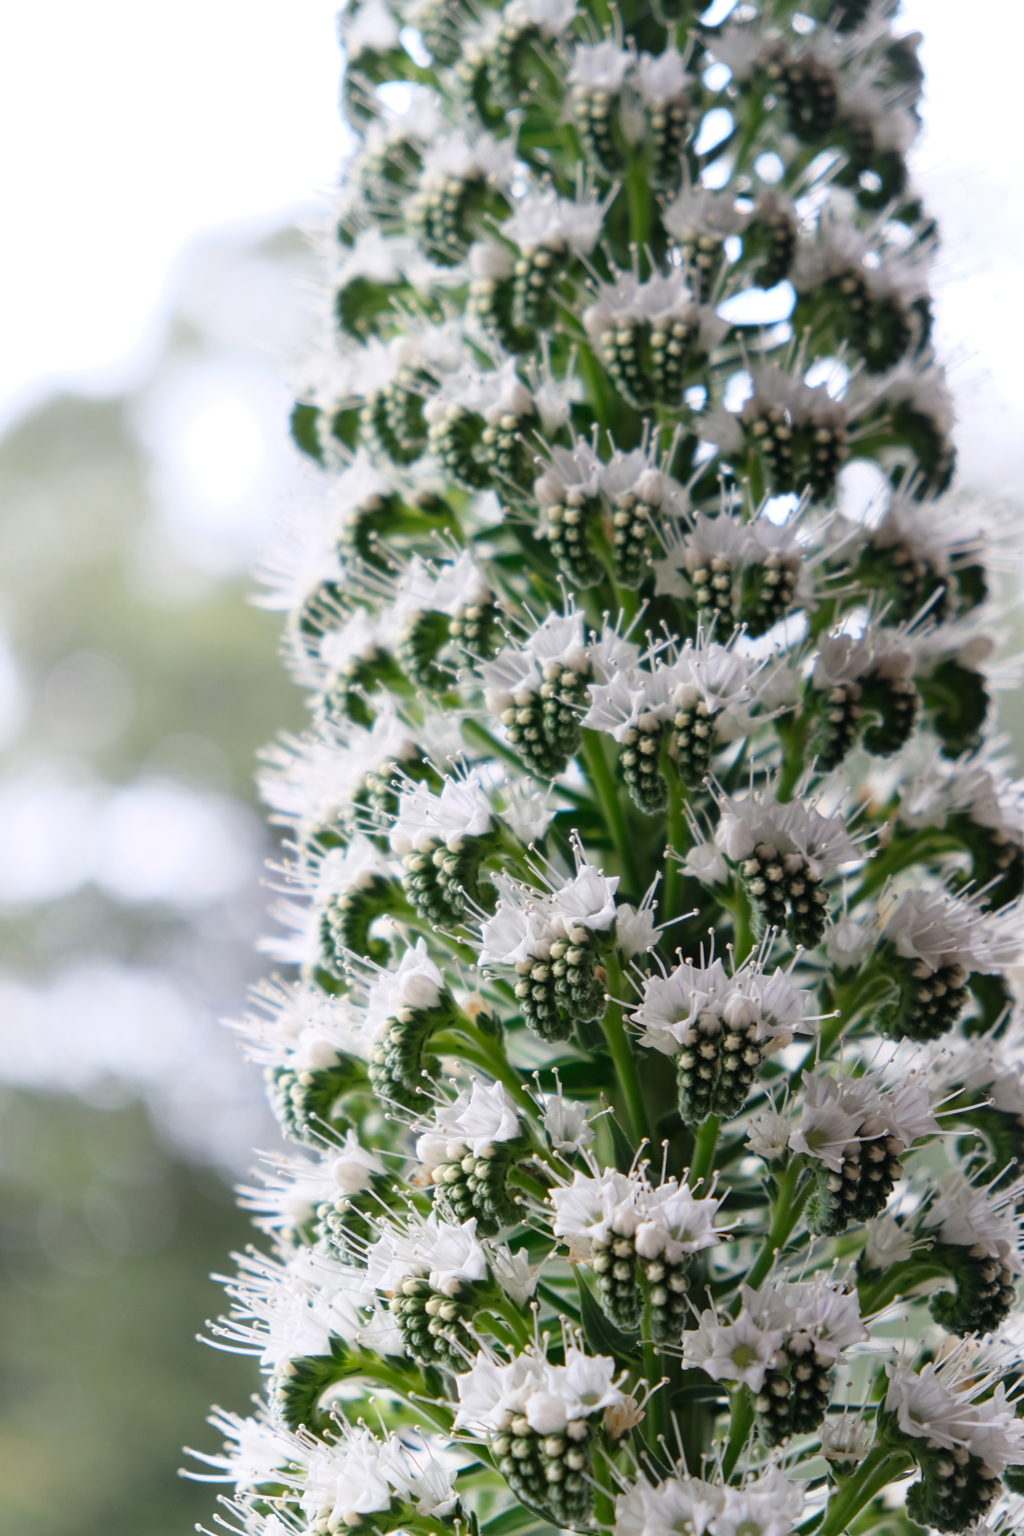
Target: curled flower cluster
[[652, 878]]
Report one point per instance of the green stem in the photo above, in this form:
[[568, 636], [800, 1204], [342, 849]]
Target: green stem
[[741, 1422], [901, 852], [520, 1322], [652, 1424], [621, 1052], [850, 999], [792, 734], [678, 839], [638, 195], [898, 1281], [478, 1049], [611, 804], [704, 1145], [877, 1469], [737, 904], [789, 1202], [476, 733], [523, 1180]]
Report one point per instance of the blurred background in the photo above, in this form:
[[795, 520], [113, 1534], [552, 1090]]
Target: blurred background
[[158, 168]]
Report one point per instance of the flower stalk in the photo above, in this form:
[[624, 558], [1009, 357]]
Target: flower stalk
[[645, 1023]]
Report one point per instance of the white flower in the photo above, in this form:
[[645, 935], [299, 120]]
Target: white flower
[[679, 1506], [460, 585], [768, 1135], [736, 1351], [888, 1242], [715, 674], [769, 1505], [254, 1451], [615, 707], [826, 1128], [703, 862], [370, 29], [483, 1115], [296, 1185], [596, 1207], [675, 1224], [450, 1253], [846, 1439], [978, 1218], [698, 211], [939, 1404], [671, 1003], [740, 48], [518, 926], [446, 1252], [588, 899], [749, 999], [514, 1273], [417, 983], [283, 1311], [796, 826], [543, 219], [599, 67], [461, 810], [818, 1314], [347, 1478], [528, 812], [552, 18], [550, 1397], [848, 943], [660, 78], [636, 931], [938, 929], [566, 1124]]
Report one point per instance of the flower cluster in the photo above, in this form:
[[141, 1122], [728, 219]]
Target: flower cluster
[[651, 877]]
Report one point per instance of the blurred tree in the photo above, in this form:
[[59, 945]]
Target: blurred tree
[[130, 657], [105, 1247]]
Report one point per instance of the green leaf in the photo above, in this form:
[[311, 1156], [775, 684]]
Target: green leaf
[[519, 1518], [625, 1151], [601, 1335]]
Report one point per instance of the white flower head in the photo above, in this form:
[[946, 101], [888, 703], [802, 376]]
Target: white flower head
[[978, 1218], [587, 899], [848, 943], [461, 810], [636, 931], [737, 1351], [417, 983], [514, 1273], [543, 219], [940, 1404], [484, 1114], [676, 1505], [528, 812], [768, 1135], [846, 1439], [826, 1126], [661, 78], [769, 1505], [567, 1125], [550, 1397], [889, 1242], [939, 929], [520, 924]]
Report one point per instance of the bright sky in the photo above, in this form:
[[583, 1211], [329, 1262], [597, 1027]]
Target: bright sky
[[127, 127]]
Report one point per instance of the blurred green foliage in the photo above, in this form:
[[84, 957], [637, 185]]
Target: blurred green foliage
[[106, 1245], [81, 570], [107, 1239]]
